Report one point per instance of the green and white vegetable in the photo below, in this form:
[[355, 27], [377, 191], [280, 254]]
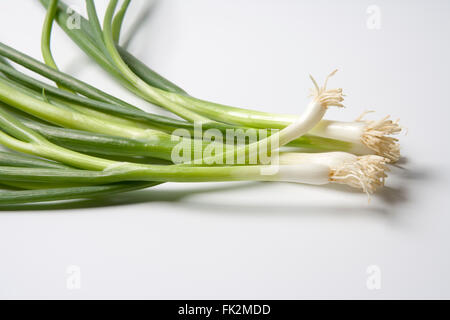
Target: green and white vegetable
[[372, 137], [71, 140]]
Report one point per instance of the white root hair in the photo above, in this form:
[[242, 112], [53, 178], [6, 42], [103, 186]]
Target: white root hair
[[327, 98], [376, 136], [366, 173]]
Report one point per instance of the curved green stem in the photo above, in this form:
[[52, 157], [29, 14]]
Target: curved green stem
[[85, 39], [60, 77], [46, 38], [96, 28], [46, 34], [67, 118], [148, 92], [118, 20]]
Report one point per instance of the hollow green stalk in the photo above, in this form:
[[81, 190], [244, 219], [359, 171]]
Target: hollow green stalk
[[368, 171], [118, 20], [21, 160], [8, 197], [30, 192], [46, 37], [86, 34], [136, 140], [69, 119], [367, 137], [20, 138], [148, 92], [86, 37], [97, 100]]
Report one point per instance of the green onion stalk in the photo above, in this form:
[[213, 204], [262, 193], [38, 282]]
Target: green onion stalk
[[12, 197], [72, 111], [133, 70], [19, 192], [24, 102], [95, 103], [93, 170], [75, 141], [98, 171], [359, 137]]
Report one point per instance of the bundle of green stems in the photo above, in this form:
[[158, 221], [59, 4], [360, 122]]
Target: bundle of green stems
[[72, 140]]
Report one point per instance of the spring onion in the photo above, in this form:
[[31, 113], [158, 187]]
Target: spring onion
[[361, 136], [70, 140]]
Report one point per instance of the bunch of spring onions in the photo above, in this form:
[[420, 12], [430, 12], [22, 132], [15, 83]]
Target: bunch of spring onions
[[72, 141]]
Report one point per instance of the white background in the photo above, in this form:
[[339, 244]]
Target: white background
[[257, 240]]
